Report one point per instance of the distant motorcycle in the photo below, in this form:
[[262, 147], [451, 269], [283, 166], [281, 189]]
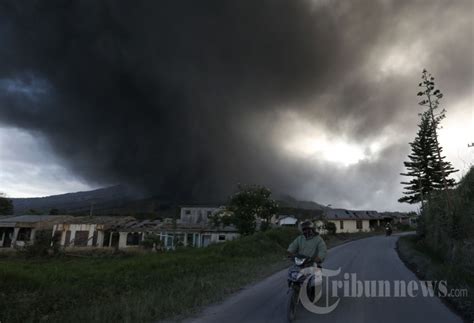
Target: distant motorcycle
[[296, 276], [388, 231]]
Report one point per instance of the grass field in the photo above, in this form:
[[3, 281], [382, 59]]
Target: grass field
[[138, 288]]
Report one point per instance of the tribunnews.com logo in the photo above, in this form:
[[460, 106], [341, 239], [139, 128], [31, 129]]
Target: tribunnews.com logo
[[350, 286]]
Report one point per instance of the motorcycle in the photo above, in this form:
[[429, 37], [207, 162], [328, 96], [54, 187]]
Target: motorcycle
[[297, 274], [388, 231]]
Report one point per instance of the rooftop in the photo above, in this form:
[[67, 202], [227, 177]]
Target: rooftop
[[342, 214], [99, 219], [34, 218]]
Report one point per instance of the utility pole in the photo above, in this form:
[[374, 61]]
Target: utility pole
[[323, 217], [325, 211]]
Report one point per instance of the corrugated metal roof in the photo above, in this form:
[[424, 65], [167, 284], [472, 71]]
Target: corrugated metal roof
[[204, 206], [157, 225], [112, 220], [34, 218], [343, 214]]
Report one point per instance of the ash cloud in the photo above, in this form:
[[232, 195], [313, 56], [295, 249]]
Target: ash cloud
[[180, 98]]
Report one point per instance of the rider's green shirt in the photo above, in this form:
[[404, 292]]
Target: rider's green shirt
[[311, 248]]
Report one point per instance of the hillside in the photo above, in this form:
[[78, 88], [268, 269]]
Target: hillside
[[287, 201], [104, 199], [121, 200]]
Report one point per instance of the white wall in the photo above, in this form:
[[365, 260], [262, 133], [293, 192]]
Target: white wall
[[287, 221], [228, 236], [63, 228], [196, 239], [194, 214], [350, 226]]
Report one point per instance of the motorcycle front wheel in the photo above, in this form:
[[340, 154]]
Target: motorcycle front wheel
[[291, 306]]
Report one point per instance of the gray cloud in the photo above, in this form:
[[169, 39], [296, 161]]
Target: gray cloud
[[29, 168], [183, 99]]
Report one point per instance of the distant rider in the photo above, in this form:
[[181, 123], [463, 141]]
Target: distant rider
[[388, 229], [309, 244]]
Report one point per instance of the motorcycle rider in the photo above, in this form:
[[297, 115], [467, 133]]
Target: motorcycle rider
[[309, 244]]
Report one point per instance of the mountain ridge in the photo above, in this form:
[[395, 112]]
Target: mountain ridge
[[121, 199]]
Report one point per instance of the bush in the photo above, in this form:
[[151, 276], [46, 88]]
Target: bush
[[450, 235], [403, 227], [260, 244], [41, 245], [283, 236], [152, 242], [330, 227]]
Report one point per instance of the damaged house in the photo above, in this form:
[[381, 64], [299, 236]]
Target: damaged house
[[192, 229], [90, 231], [19, 231]]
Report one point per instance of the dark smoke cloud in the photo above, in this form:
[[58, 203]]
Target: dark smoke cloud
[[181, 98]]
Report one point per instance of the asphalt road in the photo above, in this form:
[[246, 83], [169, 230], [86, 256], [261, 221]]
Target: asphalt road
[[370, 259]]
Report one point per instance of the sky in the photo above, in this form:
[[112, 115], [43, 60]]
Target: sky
[[315, 99]]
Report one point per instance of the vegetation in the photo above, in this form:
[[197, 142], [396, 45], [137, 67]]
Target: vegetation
[[41, 246], [222, 217], [451, 235], [427, 166], [141, 288], [6, 205], [446, 224], [427, 264], [330, 227], [443, 211], [444, 246], [248, 204], [34, 212], [152, 242], [446, 216], [54, 211], [419, 166]]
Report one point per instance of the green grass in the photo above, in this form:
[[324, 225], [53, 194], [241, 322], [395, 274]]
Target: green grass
[[139, 288], [428, 265]]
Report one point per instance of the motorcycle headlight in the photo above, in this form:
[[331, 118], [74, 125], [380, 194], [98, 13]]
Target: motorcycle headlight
[[299, 261]]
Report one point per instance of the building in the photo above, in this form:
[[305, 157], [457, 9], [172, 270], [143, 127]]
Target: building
[[198, 214], [398, 218], [353, 221], [402, 218], [89, 231], [287, 220], [172, 236], [19, 231], [127, 233]]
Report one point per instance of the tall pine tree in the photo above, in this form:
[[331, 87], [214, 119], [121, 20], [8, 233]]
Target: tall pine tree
[[419, 165], [441, 168], [427, 165]]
